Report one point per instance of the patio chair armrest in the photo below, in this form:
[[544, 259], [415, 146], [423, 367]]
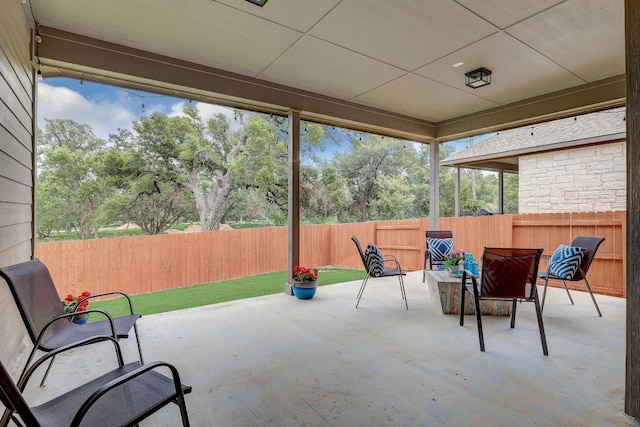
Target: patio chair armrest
[[124, 294], [474, 282], [22, 381], [67, 317], [130, 376], [391, 258]]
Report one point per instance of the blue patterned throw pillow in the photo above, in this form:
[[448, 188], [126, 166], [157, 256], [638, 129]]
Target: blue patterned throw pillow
[[374, 259], [565, 261], [439, 248]]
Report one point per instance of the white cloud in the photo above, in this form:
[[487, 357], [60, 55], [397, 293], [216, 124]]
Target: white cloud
[[106, 108], [103, 115], [207, 111]]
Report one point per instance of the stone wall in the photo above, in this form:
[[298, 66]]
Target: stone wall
[[586, 179]]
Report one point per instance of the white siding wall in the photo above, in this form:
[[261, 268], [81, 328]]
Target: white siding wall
[[583, 179], [16, 168]]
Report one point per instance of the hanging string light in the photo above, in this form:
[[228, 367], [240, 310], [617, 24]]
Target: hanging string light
[[39, 72], [38, 37]]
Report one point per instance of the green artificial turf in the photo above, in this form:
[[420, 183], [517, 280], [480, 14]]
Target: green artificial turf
[[216, 292]]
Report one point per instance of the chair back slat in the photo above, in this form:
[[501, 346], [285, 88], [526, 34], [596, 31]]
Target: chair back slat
[[506, 272], [591, 245], [357, 243], [438, 234], [34, 293]]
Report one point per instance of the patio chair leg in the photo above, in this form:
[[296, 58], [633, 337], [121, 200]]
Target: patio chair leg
[[424, 268], [543, 337], [463, 294], [21, 379], [479, 318], [183, 412], [47, 371], [567, 289], [403, 292], [513, 313], [362, 286], [592, 297], [135, 328], [544, 291]]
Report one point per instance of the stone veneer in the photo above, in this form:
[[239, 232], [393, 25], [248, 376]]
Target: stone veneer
[[586, 179]]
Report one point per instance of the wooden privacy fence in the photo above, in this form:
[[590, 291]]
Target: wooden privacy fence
[[150, 263]]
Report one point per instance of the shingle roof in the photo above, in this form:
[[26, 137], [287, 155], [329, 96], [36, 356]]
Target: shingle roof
[[506, 146]]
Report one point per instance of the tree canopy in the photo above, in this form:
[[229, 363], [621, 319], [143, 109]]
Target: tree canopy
[[170, 169]]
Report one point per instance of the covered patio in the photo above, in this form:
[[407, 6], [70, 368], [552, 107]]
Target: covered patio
[[323, 362], [279, 361]]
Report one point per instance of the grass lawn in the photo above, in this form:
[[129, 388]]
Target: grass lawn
[[216, 292]]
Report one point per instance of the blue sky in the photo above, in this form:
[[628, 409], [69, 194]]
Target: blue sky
[[106, 108]]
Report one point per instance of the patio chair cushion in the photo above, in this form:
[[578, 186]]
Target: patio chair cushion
[[565, 261], [374, 259], [439, 248]]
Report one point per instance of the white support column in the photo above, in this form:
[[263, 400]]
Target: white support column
[[294, 198], [434, 185], [501, 191], [456, 184]]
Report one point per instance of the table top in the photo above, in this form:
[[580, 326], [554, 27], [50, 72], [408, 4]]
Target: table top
[[443, 276]]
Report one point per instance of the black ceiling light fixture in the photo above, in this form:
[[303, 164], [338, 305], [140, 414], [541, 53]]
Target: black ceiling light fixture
[[478, 78], [258, 2]]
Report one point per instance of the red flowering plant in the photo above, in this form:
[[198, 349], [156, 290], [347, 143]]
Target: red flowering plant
[[304, 274], [70, 303]]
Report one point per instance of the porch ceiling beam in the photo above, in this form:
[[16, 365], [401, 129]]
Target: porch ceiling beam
[[64, 53], [70, 52], [600, 95]]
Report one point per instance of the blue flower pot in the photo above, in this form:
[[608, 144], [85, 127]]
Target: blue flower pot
[[80, 320], [304, 290]]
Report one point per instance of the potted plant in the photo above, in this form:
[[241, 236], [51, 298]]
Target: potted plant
[[453, 260], [305, 282], [70, 305]]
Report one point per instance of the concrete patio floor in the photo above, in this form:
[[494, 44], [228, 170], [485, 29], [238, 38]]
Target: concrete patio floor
[[280, 361]]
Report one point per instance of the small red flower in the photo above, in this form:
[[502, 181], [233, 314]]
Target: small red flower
[[304, 274], [70, 303]]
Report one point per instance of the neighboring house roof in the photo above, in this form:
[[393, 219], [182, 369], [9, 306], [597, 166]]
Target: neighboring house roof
[[501, 151]]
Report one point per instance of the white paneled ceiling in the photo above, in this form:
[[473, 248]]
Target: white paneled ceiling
[[394, 55]]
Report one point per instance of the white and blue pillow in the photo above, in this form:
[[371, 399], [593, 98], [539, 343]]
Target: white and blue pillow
[[439, 248], [374, 259], [565, 261]]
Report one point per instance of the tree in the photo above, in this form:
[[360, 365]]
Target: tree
[[70, 192], [363, 167], [395, 200], [157, 210], [211, 159], [511, 193], [52, 208]]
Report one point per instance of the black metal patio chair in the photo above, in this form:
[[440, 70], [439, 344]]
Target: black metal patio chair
[[379, 270], [590, 245], [508, 274], [47, 324], [121, 397], [441, 245]]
